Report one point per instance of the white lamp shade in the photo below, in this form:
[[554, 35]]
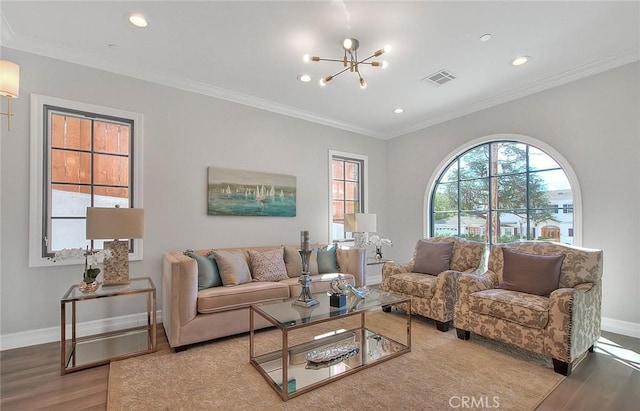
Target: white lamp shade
[[360, 223], [113, 223], [9, 79]]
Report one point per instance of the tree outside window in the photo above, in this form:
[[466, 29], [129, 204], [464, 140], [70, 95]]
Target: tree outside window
[[500, 192]]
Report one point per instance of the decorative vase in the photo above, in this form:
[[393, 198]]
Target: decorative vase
[[88, 287], [305, 298], [378, 253]]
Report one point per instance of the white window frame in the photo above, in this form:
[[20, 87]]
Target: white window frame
[[37, 181], [364, 184], [566, 167]]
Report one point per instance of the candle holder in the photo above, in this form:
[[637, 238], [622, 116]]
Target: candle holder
[[305, 299]]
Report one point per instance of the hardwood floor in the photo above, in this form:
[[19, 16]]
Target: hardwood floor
[[608, 379]]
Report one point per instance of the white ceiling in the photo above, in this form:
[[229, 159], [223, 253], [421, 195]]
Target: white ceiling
[[251, 52]]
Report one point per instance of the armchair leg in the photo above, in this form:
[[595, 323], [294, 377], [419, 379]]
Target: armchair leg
[[443, 326], [463, 334], [562, 367], [591, 348], [386, 308], [180, 348]]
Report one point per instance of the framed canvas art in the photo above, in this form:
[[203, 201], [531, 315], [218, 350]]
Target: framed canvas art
[[250, 193]]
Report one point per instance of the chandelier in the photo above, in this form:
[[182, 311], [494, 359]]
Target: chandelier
[[350, 61]]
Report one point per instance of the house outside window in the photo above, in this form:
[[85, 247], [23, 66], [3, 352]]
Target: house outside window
[[567, 208], [347, 187], [501, 191], [82, 156]]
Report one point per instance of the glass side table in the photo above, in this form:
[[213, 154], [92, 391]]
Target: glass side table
[[79, 353], [377, 261]]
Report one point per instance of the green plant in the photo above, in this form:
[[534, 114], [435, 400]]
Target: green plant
[[90, 274]]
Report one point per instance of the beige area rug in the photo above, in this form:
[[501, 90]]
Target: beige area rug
[[441, 372]]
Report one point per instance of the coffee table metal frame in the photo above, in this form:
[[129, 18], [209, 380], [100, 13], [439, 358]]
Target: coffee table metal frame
[[283, 316]]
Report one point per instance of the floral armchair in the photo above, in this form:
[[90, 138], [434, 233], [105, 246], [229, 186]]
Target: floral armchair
[[433, 289], [562, 324]]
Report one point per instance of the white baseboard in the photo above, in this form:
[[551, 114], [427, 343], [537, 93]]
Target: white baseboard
[[51, 334], [621, 327]]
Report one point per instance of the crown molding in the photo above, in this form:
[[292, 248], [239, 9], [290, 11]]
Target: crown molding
[[22, 43], [586, 70], [6, 32]]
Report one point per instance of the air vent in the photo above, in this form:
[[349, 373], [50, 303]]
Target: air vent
[[439, 78]]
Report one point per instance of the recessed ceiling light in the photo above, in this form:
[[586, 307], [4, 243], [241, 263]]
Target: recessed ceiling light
[[398, 110], [305, 78], [138, 20], [518, 61], [485, 37]]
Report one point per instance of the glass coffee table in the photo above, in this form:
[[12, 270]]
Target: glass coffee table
[[319, 360]]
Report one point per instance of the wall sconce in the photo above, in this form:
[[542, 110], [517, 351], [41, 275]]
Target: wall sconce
[[9, 85]]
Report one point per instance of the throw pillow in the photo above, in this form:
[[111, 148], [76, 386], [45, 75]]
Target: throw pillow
[[208, 275], [293, 262], [530, 273], [432, 257], [328, 260], [267, 265], [233, 267]]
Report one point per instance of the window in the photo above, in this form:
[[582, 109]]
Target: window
[[82, 156], [347, 188], [567, 208], [499, 192]]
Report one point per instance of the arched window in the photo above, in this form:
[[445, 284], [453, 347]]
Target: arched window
[[503, 191]]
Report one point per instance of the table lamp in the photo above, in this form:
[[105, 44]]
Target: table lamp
[[115, 223], [360, 224]]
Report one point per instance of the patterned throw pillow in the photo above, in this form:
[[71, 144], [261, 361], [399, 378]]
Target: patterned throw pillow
[[268, 265]]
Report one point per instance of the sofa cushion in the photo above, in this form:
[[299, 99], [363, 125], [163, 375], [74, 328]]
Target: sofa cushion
[[530, 273], [267, 265], [208, 275], [230, 298], [293, 262], [233, 267], [432, 257], [328, 259], [528, 310], [415, 284]]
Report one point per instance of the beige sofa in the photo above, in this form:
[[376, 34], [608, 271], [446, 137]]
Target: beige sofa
[[433, 294], [190, 315], [562, 322]]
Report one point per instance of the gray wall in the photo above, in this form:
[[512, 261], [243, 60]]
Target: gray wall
[[594, 124], [183, 134]]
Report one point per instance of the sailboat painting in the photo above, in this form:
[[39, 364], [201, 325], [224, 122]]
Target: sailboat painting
[[250, 193]]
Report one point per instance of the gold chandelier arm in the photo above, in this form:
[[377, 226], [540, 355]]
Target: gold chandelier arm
[[334, 60], [350, 61]]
